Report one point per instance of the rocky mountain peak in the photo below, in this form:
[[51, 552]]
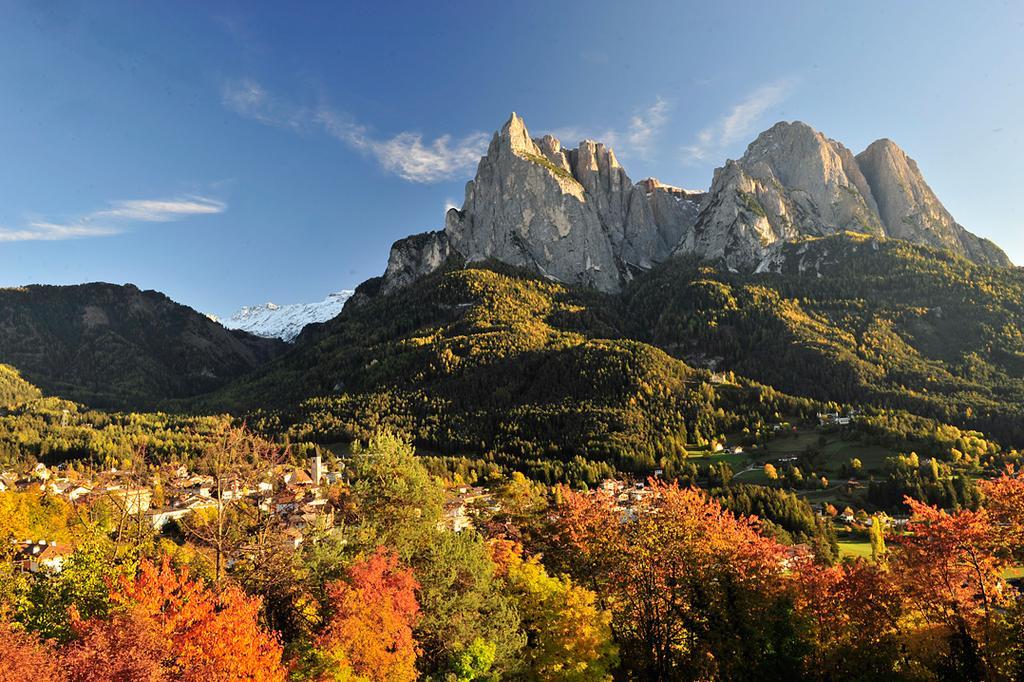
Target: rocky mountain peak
[[910, 210], [799, 156], [792, 182], [574, 215], [285, 322], [515, 136]]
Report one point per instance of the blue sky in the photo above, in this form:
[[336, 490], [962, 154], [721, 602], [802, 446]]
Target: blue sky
[[233, 153]]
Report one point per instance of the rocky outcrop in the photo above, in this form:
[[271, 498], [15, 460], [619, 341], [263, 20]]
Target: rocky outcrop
[[570, 214], [910, 210], [413, 257], [792, 182], [575, 216], [675, 210], [527, 208]]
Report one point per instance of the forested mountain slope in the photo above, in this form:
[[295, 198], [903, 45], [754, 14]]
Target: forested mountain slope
[[853, 319], [497, 359], [479, 360], [117, 346], [14, 389]]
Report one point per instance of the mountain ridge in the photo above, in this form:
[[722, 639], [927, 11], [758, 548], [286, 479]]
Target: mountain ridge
[[574, 215], [492, 358], [115, 345], [286, 321]]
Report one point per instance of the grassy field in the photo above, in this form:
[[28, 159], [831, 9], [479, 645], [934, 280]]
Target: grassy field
[[737, 462], [836, 452], [1016, 572], [792, 445], [855, 547]]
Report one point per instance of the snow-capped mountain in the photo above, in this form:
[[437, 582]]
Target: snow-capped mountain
[[286, 321]]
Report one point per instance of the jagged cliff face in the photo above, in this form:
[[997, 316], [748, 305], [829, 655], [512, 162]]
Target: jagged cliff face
[[792, 182], [527, 208], [575, 216], [571, 214], [910, 209]]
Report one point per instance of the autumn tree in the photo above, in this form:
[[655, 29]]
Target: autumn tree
[[462, 601], [368, 634], [164, 625], [399, 503], [951, 573], [876, 534], [290, 591], [237, 460], [694, 590], [520, 504], [568, 637], [851, 614], [1004, 500], [24, 657], [126, 508], [81, 586]]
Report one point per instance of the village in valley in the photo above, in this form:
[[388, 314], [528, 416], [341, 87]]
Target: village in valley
[[295, 499], [301, 501]]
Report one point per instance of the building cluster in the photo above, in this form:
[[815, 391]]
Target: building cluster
[[296, 496], [837, 419], [463, 506], [628, 494]]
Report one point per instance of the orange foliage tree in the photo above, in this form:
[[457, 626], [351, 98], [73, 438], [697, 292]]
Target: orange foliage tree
[[950, 571], [852, 615], [164, 625], [24, 657], [695, 592], [1004, 500], [369, 633]]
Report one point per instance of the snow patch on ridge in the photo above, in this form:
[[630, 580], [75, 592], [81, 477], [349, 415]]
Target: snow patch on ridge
[[272, 320]]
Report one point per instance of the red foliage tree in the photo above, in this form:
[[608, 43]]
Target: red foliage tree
[[1004, 500], [950, 571], [373, 611], [852, 615], [24, 657], [164, 625], [692, 588]]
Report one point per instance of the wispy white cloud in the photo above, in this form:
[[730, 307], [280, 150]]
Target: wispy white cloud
[[43, 231], [160, 210], [645, 127], [738, 123], [406, 154], [115, 219], [250, 99], [637, 139]]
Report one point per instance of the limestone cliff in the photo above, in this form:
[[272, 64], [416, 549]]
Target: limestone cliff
[[575, 216], [571, 214]]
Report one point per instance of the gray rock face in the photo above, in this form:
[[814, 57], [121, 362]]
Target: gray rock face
[[575, 216], [792, 182], [413, 257], [910, 210], [570, 214], [526, 208], [674, 210]]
